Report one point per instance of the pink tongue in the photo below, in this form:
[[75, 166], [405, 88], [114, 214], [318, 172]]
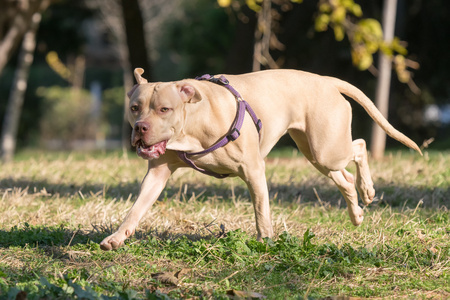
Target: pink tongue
[[160, 147], [153, 151]]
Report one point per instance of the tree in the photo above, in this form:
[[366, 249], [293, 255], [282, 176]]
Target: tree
[[15, 102]]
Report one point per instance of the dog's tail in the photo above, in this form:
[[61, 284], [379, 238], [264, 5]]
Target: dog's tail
[[357, 95]]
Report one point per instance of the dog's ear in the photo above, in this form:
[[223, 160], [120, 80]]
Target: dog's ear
[[140, 80], [130, 93], [188, 93], [137, 74]]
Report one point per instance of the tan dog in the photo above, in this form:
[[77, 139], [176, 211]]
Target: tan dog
[[192, 115]]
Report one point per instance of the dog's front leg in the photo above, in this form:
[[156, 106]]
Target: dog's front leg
[[151, 188], [255, 178]]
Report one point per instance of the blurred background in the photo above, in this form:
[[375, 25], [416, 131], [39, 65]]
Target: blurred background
[[65, 65]]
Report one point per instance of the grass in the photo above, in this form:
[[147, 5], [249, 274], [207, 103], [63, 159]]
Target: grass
[[198, 241]]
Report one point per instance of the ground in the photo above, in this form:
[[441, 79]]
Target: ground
[[199, 238]]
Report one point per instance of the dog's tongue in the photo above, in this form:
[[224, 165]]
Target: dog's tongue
[[153, 151]]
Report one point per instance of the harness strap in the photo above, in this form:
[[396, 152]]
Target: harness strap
[[234, 132]]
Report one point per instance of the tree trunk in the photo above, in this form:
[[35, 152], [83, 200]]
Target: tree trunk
[[378, 142], [135, 36], [239, 59], [16, 98], [11, 40], [126, 128], [17, 26], [137, 55], [263, 34]]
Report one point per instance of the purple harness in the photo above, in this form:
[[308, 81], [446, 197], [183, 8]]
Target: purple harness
[[234, 132]]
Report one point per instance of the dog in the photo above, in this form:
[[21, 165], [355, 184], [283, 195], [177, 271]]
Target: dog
[[179, 124]]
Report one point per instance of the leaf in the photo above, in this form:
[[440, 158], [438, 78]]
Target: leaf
[[242, 248], [386, 49], [371, 27], [128, 294], [166, 277], [172, 278], [307, 236], [397, 46], [371, 46], [400, 67], [156, 295], [366, 61], [338, 15], [321, 22], [434, 250], [362, 58], [68, 289], [325, 8], [87, 293], [253, 5], [338, 32], [224, 3], [180, 274], [356, 10], [234, 294]]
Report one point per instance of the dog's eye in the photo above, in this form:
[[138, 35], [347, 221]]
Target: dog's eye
[[164, 109], [134, 108]]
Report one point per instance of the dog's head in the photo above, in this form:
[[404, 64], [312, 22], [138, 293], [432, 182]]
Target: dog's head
[[155, 112]]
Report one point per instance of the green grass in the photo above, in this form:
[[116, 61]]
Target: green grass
[[198, 241]]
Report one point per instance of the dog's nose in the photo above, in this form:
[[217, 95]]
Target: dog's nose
[[141, 127]]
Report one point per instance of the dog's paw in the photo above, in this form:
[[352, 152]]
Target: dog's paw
[[356, 215], [111, 243], [368, 197], [115, 240], [366, 191]]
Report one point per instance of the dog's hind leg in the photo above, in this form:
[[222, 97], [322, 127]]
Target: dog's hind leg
[[345, 183], [342, 178], [364, 182]]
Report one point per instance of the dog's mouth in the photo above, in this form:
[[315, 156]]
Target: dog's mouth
[[152, 151]]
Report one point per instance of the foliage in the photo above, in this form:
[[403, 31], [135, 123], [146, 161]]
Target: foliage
[[68, 289], [67, 115], [113, 111], [365, 34]]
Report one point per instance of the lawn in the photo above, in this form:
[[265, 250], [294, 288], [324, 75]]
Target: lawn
[[198, 240]]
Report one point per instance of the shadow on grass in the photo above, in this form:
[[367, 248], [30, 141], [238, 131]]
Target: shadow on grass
[[293, 192], [120, 190], [45, 236], [41, 236]]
